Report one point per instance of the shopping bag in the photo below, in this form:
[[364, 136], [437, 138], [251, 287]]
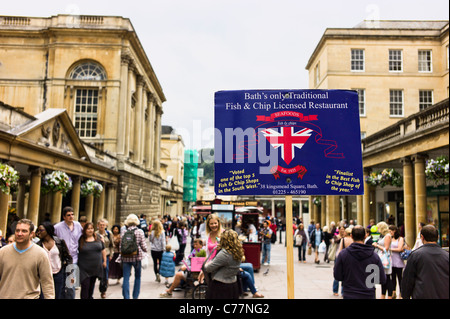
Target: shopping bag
[[322, 247], [309, 250], [385, 257], [332, 252], [174, 243], [196, 263], [144, 262]]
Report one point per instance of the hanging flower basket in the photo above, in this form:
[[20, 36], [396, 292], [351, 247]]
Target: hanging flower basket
[[9, 178], [91, 187], [317, 201], [437, 170], [388, 176], [56, 181]]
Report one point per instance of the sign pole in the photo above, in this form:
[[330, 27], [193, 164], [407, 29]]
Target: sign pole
[[289, 248]]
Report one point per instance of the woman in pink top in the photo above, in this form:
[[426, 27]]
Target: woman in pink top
[[211, 237]]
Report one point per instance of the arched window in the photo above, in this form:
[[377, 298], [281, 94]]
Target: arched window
[[88, 71], [87, 97]]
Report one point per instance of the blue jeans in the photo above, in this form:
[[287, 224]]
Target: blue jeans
[[126, 279], [336, 287], [266, 252], [247, 282], [302, 252], [248, 267]]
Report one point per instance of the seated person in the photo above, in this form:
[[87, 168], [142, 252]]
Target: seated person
[[180, 276]]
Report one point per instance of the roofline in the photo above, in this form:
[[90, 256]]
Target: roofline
[[328, 33]]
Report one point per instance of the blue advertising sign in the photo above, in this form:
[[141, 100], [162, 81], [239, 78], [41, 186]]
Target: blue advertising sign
[[287, 142]]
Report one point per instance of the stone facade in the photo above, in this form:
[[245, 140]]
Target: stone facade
[[97, 70]]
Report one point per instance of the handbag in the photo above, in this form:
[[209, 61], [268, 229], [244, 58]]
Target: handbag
[[332, 252], [406, 252], [298, 240], [385, 257]]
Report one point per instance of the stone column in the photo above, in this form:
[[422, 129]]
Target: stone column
[[123, 104], [35, 194], [89, 207], [324, 211], [359, 210], [150, 133], [157, 154], [4, 201], [137, 158], [110, 204], [366, 199], [310, 208], [55, 216], [408, 201], [100, 205], [75, 200], [20, 205], [127, 114], [420, 189]]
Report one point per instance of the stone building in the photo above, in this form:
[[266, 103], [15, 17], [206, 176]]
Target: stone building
[[400, 70], [172, 172], [96, 69]]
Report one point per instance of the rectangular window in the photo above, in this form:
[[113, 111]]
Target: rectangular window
[[425, 99], [86, 104], [361, 101], [357, 60], [425, 61], [396, 102], [396, 60]]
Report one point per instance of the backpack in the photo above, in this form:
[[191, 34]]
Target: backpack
[[128, 245]]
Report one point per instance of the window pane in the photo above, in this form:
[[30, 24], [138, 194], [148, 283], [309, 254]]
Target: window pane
[[396, 103], [357, 60], [424, 61], [86, 112], [425, 99], [395, 60]]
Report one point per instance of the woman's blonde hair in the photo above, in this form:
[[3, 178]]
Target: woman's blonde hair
[[131, 220], [383, 228], [157, 228], [230, 242], [208, 219]]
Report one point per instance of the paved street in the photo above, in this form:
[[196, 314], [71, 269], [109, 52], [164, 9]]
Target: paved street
[[311, 281]]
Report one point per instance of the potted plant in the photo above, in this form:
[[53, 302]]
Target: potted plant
[[9, 178], [387, 176], [91, 187], [56, 181], [437, 170]]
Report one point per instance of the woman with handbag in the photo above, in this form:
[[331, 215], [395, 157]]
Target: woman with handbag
[[301, 240], [224, 268], [384, 251]]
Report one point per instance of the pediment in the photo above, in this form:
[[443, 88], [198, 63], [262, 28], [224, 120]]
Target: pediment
[[53, 130]]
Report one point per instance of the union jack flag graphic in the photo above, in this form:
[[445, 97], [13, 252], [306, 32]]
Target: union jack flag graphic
[[287, 140]]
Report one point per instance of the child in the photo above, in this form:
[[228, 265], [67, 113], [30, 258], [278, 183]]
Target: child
[[167, 267]]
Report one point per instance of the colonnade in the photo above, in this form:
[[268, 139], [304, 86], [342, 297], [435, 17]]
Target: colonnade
[[37, 205], [414, 199]]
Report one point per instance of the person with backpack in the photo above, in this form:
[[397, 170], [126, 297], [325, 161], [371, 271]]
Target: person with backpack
[[132, 249]]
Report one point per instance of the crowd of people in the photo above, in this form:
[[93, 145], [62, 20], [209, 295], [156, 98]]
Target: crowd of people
[[74, 255], [378, 254]]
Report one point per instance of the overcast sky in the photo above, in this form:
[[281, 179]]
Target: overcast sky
[[198, 47]]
